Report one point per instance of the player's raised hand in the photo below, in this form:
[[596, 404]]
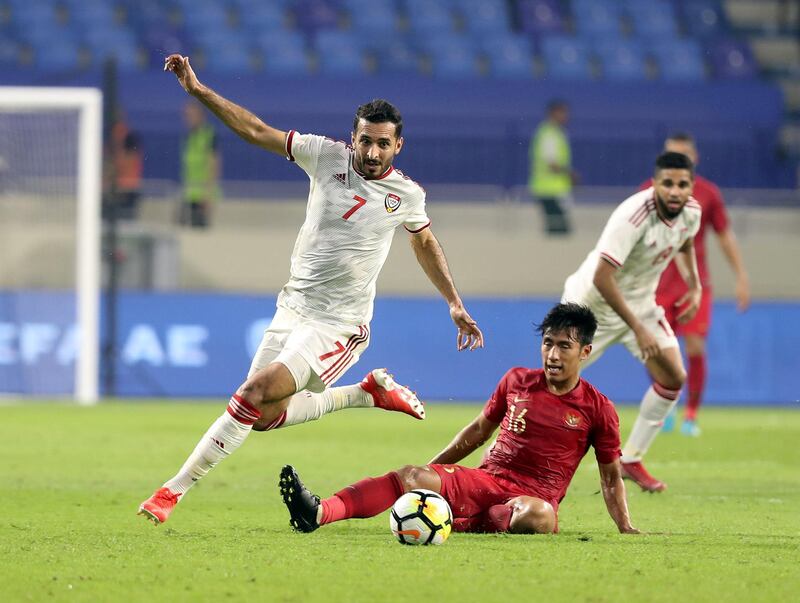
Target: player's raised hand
[[469, 335], [179, 65], [647, 343], [691, 299]]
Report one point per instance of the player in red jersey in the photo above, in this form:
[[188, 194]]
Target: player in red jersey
[[672, 287], [547, 417]]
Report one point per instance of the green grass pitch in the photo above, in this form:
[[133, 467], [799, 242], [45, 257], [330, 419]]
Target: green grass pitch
[[728, 528]]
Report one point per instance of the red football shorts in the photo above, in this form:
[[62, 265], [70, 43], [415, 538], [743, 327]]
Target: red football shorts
[[471, 491], [701, 322]]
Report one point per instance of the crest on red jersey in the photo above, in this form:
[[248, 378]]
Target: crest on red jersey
[[391, 202], [572, 419]]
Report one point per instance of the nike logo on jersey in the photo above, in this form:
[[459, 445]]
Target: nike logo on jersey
[[450, 469]]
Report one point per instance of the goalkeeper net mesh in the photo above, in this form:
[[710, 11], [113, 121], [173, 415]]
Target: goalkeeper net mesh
[[42, 188]]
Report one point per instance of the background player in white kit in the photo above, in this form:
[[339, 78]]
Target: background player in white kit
[[355, 203], [618, 282]]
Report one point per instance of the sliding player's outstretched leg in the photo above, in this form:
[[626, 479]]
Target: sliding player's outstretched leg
[[303, 506]]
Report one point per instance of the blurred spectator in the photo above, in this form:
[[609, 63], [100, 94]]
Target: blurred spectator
[[200, 162], [124, 175], [551, 174]]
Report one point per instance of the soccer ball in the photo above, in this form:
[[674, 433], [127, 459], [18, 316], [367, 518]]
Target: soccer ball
[[421, 517]]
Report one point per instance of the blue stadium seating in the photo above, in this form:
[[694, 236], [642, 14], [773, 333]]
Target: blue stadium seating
[[454, 61], [703, 18], [597, 18], [429, 17], [679, 60], [59, 55], [732, 59], [509, 56], [621, 59], [566, 57], [485, 17], [540, 16], [339, 53], [397, 58], [373, 18], [262, 17], [312, 15], [230, 58], [651, 18]]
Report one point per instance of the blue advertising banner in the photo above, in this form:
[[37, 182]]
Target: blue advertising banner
[[200, 345]]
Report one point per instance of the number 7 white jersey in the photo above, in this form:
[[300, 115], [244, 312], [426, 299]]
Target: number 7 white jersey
[[347, 233], [640, 243]]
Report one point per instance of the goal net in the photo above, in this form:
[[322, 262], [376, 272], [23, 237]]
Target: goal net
[[50, 178]]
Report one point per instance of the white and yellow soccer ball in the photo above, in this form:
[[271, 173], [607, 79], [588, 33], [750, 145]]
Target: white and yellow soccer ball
[[421, 517]]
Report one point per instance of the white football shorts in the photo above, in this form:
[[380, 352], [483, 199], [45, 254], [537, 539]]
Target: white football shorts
[[609, 333], [316, 353]]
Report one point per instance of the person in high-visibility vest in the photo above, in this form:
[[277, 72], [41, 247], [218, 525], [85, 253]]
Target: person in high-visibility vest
[[551, 174], [200, 163]]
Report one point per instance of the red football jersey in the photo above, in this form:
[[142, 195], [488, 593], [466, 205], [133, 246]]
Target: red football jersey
[[543, 437], [710, 198]]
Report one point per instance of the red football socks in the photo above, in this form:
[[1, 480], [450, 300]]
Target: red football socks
[[697, 383], [366, 498]]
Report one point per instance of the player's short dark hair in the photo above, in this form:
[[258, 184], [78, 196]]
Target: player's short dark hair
[[674, 161], [575, 319], [681, 137], [379, 111]]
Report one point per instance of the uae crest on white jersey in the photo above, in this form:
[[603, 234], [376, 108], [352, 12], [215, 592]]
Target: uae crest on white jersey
[[391, 202]]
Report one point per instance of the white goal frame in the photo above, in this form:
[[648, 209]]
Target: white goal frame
[[88, 102]]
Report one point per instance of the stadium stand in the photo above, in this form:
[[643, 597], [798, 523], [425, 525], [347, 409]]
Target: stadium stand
[[547, 43]]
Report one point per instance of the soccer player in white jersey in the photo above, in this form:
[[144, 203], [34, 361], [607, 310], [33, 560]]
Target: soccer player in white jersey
[[618, 281], [321, 327]]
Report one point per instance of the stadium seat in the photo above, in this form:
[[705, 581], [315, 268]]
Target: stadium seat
[[679, 60], [283, 52], [262, 17], [732, 59], [205, 16], [339, 53], [376, 20], [396, 58], [429, 17], [485, 17], [455, 62], [651, 18], [89, 14], [566, 57], [621, 60], [9, 52], [540, 16], [596, 18], [509, 56], [703, 18], [60, 55], [228, 58], [313, 15], [118, 42]]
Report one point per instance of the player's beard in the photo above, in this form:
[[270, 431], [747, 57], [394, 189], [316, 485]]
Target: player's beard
[[362, 164], [665, 211]]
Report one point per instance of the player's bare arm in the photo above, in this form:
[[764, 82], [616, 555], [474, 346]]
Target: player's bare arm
[[614, 494], [606, 283], [246, 125], [730, 247], [469, 439], [689, 301], [431, 257]]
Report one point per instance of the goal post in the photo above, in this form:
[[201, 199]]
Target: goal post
[[38, 104]]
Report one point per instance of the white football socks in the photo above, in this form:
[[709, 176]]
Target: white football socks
[[306, 406], [655, 407], [224, 436]]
